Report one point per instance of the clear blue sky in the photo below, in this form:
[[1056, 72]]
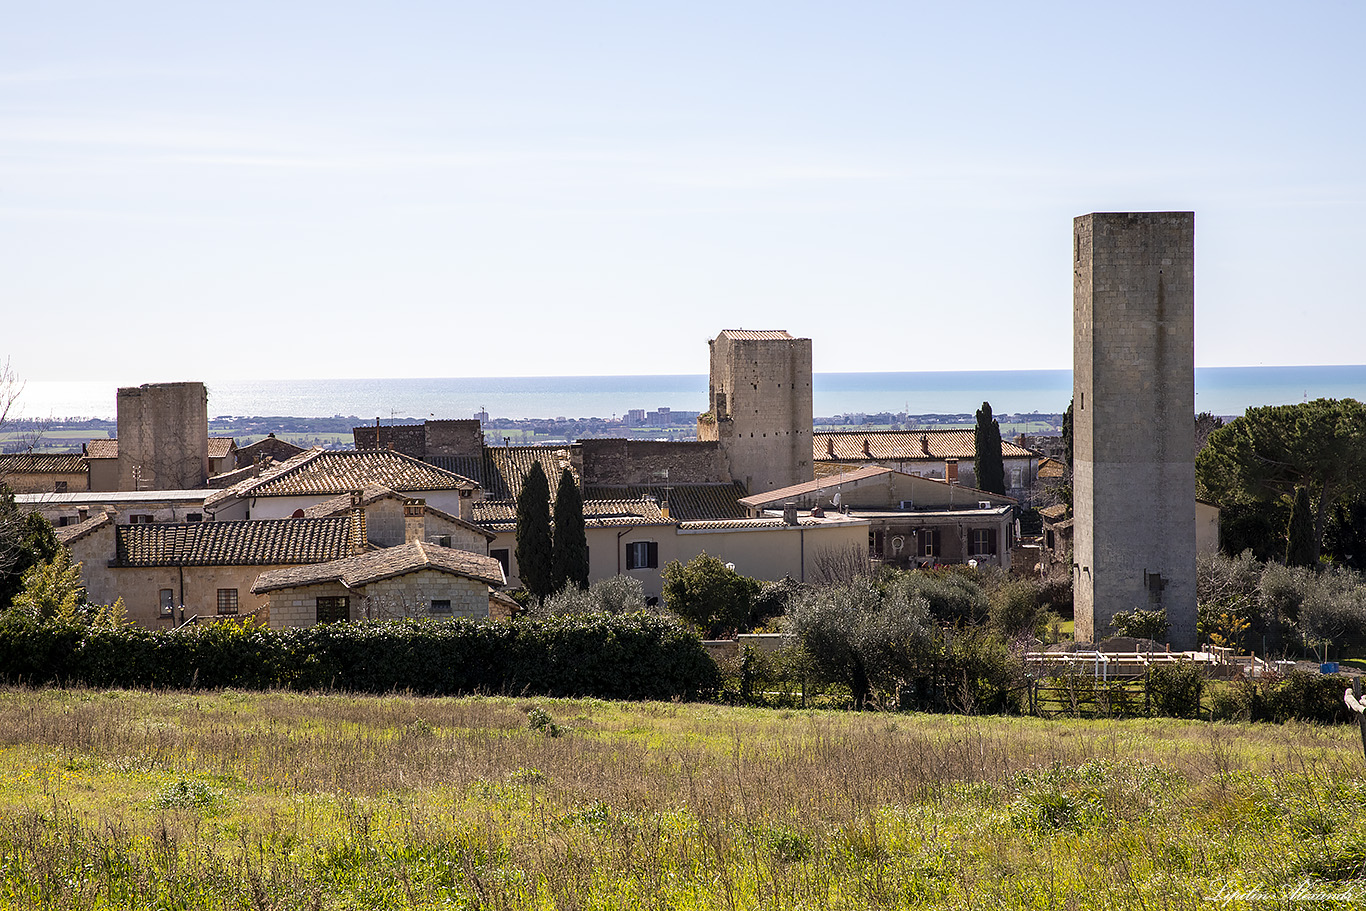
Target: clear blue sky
[[234, 190]]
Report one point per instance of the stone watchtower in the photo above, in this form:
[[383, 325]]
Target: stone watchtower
[[163, 436], [760, 407], [1133, 362]]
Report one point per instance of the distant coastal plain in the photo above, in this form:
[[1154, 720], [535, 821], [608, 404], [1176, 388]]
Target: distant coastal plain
[[1219, 390]]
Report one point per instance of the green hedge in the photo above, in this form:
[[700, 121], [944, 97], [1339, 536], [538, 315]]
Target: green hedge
[[640, 656]]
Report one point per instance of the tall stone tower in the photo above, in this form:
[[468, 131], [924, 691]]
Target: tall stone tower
[[1133, 363], [760, 407], [163, 436]]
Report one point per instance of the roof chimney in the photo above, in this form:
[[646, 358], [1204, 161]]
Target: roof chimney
[[925, 444], [951, 470], [866, 451], [789, 513], [414, 521], [830, 446]]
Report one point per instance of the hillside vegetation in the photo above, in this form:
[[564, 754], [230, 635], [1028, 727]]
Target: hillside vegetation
[[228, 799]]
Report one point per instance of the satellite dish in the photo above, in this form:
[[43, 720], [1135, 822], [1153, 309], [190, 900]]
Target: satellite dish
[[835, 499], [897, 543]]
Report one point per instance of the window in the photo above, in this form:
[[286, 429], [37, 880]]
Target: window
[[334, 610], [1014, 477], [929, 541], [441, 607], [227, 602], [982, 542], [642, 555], [194, 517], [139, 519], [167, 602], [441, 540], [501, 555], [59, 487], [63, 521]]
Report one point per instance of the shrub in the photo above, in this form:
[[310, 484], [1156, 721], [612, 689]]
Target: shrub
[[1016, 608], [1174, 690], [865, 636], [1141, 624], [710, 595], [953, 597], [630, 656], [614, 595]]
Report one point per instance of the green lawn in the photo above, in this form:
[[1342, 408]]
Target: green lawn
[[190, 800]]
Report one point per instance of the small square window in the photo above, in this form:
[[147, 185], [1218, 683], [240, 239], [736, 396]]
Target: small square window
[[334, 610], [194, 517], [227, 602], [441, 607], [59, 487], [167, 602], [642, 555]]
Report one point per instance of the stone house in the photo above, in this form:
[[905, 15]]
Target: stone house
[[944, 454], [313, 477], [167, 573], [392, 519], [417, 579], [268, 449], [912, 520], [127, 507], [42, 473]]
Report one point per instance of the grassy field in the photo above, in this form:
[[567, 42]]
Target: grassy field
[[212, 800]]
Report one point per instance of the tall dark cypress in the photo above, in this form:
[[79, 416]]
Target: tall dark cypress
[[988, 465], [534, 552], [1299, 544], [569, 565]]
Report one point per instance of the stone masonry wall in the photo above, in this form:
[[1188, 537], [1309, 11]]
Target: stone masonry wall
[[622, 462], [760, 394], [1134, 398]]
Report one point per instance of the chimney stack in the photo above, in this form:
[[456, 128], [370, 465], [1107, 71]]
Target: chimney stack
[[414, 521], [789, 513]]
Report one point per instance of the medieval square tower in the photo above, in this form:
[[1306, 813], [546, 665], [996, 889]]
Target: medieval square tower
[[760, 407], [1133, 406]]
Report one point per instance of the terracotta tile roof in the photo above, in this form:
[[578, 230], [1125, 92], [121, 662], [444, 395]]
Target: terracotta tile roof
[[502, 515], [335, 471], [102, 449], [41, 463], [385, 563], [471, 467], [269, 447], [221, 447], [341, 505], [1051, 468], [687, 502], [1055, 512], [756, 334], [902, 446], [798, 490], [266, 542], [803, 521], [69, 534], [505, 468]]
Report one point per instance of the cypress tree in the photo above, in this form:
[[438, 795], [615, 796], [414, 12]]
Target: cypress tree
[[988, 464], [569, 563], [1299, 545], [533, 533]]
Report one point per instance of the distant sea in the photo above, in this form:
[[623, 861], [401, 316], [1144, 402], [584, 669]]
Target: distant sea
[[1220, 390]]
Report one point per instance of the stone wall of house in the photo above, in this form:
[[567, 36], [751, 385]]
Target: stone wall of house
[[621, 462], [46, 482], [1134, 393], [412, 595], [454, 438], [291, 607], [194, 586], [409, 439], [462, 537], [384, 524]]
